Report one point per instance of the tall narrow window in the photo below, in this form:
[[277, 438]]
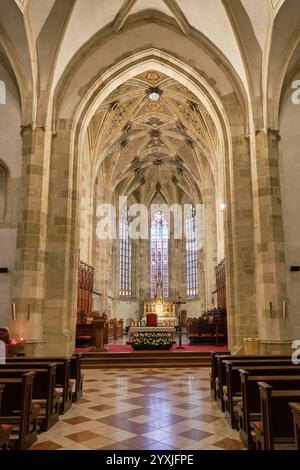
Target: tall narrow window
[[159, 255], [125, 255], [3, 191], [191, 253]]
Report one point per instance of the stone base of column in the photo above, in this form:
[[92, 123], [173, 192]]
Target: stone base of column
[[269, 347], [34, 348]]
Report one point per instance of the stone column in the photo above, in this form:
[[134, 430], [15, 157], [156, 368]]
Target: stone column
[[31, 256], [269, 246], [239, 246], [62, 246]]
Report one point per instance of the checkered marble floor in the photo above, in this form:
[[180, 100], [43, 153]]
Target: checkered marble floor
[[135, 409]]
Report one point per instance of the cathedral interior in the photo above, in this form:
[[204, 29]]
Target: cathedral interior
[[126, 105]]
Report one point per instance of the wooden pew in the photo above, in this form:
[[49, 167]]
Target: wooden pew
[[295, 407], [276, 425], [214, 370], [221, 371], [62, 376], [249, 409], [5, 429], [43, 393], [18, 410], [75, 374], [232, 389]]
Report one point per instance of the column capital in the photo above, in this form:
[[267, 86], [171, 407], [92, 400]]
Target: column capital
[[34, 127], [269, 132]]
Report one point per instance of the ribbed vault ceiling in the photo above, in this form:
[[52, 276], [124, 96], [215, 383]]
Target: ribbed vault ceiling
[[160, 145]]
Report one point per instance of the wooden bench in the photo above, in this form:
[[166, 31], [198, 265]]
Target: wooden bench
[[43, 393], [295, 407], [249, 408], [232, 388], [18, 410], [276, 425], [221, 371], [5, 429], [75, 374], [63, 381], [214, 370]]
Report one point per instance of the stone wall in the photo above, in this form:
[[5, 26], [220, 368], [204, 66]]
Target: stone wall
[[289, 164]]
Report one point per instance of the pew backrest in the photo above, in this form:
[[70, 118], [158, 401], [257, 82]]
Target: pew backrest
[[18, 396], [277, 421]]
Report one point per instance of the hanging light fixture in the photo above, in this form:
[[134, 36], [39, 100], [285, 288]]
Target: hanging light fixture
[[154, 94]]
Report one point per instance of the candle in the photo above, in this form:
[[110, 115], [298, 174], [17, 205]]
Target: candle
[[13, 312]]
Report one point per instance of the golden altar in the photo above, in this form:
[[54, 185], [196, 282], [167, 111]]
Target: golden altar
[[165, 310]]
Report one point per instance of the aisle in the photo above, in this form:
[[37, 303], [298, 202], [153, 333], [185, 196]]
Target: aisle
[[155, 409]]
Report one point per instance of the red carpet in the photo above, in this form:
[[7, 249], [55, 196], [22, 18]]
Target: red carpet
[[117, 348]]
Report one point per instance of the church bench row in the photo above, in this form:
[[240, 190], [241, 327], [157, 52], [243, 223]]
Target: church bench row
[[68, 369], [295, 407], [232, 387], [43, 393], [62, 380], [18, 410], [214, 370], [5, 429], [211, 327], [216, 363], [249, 408], [48, 376], [220, 374], [276, 423]]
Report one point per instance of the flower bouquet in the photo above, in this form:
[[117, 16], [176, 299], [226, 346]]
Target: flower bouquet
[[151, 340]]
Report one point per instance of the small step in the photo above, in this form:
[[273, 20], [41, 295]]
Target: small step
[[146, 359]]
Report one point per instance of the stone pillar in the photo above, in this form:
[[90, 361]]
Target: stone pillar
[[62, 246], [31, 256], [239, 246], [209, 246], [271, 290]]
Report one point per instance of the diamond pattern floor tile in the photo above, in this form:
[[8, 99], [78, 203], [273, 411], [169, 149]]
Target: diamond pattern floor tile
[[154, 409]]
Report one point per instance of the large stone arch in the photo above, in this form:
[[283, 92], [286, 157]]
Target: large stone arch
[[62, 231]]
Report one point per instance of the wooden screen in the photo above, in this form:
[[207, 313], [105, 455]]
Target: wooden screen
[[221, 285], [85, 292]]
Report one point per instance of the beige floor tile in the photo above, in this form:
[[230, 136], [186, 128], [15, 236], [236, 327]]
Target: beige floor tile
[[138, 407]]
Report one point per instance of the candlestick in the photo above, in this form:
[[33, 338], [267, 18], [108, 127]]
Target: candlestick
[[284, 309], [28, 312], [13, 312]]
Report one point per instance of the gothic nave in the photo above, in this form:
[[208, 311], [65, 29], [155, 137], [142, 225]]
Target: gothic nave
[[149, 189]]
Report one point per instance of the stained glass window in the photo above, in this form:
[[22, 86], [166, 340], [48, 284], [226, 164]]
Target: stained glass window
[[125, 255], [191, 253], [159, 255]]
